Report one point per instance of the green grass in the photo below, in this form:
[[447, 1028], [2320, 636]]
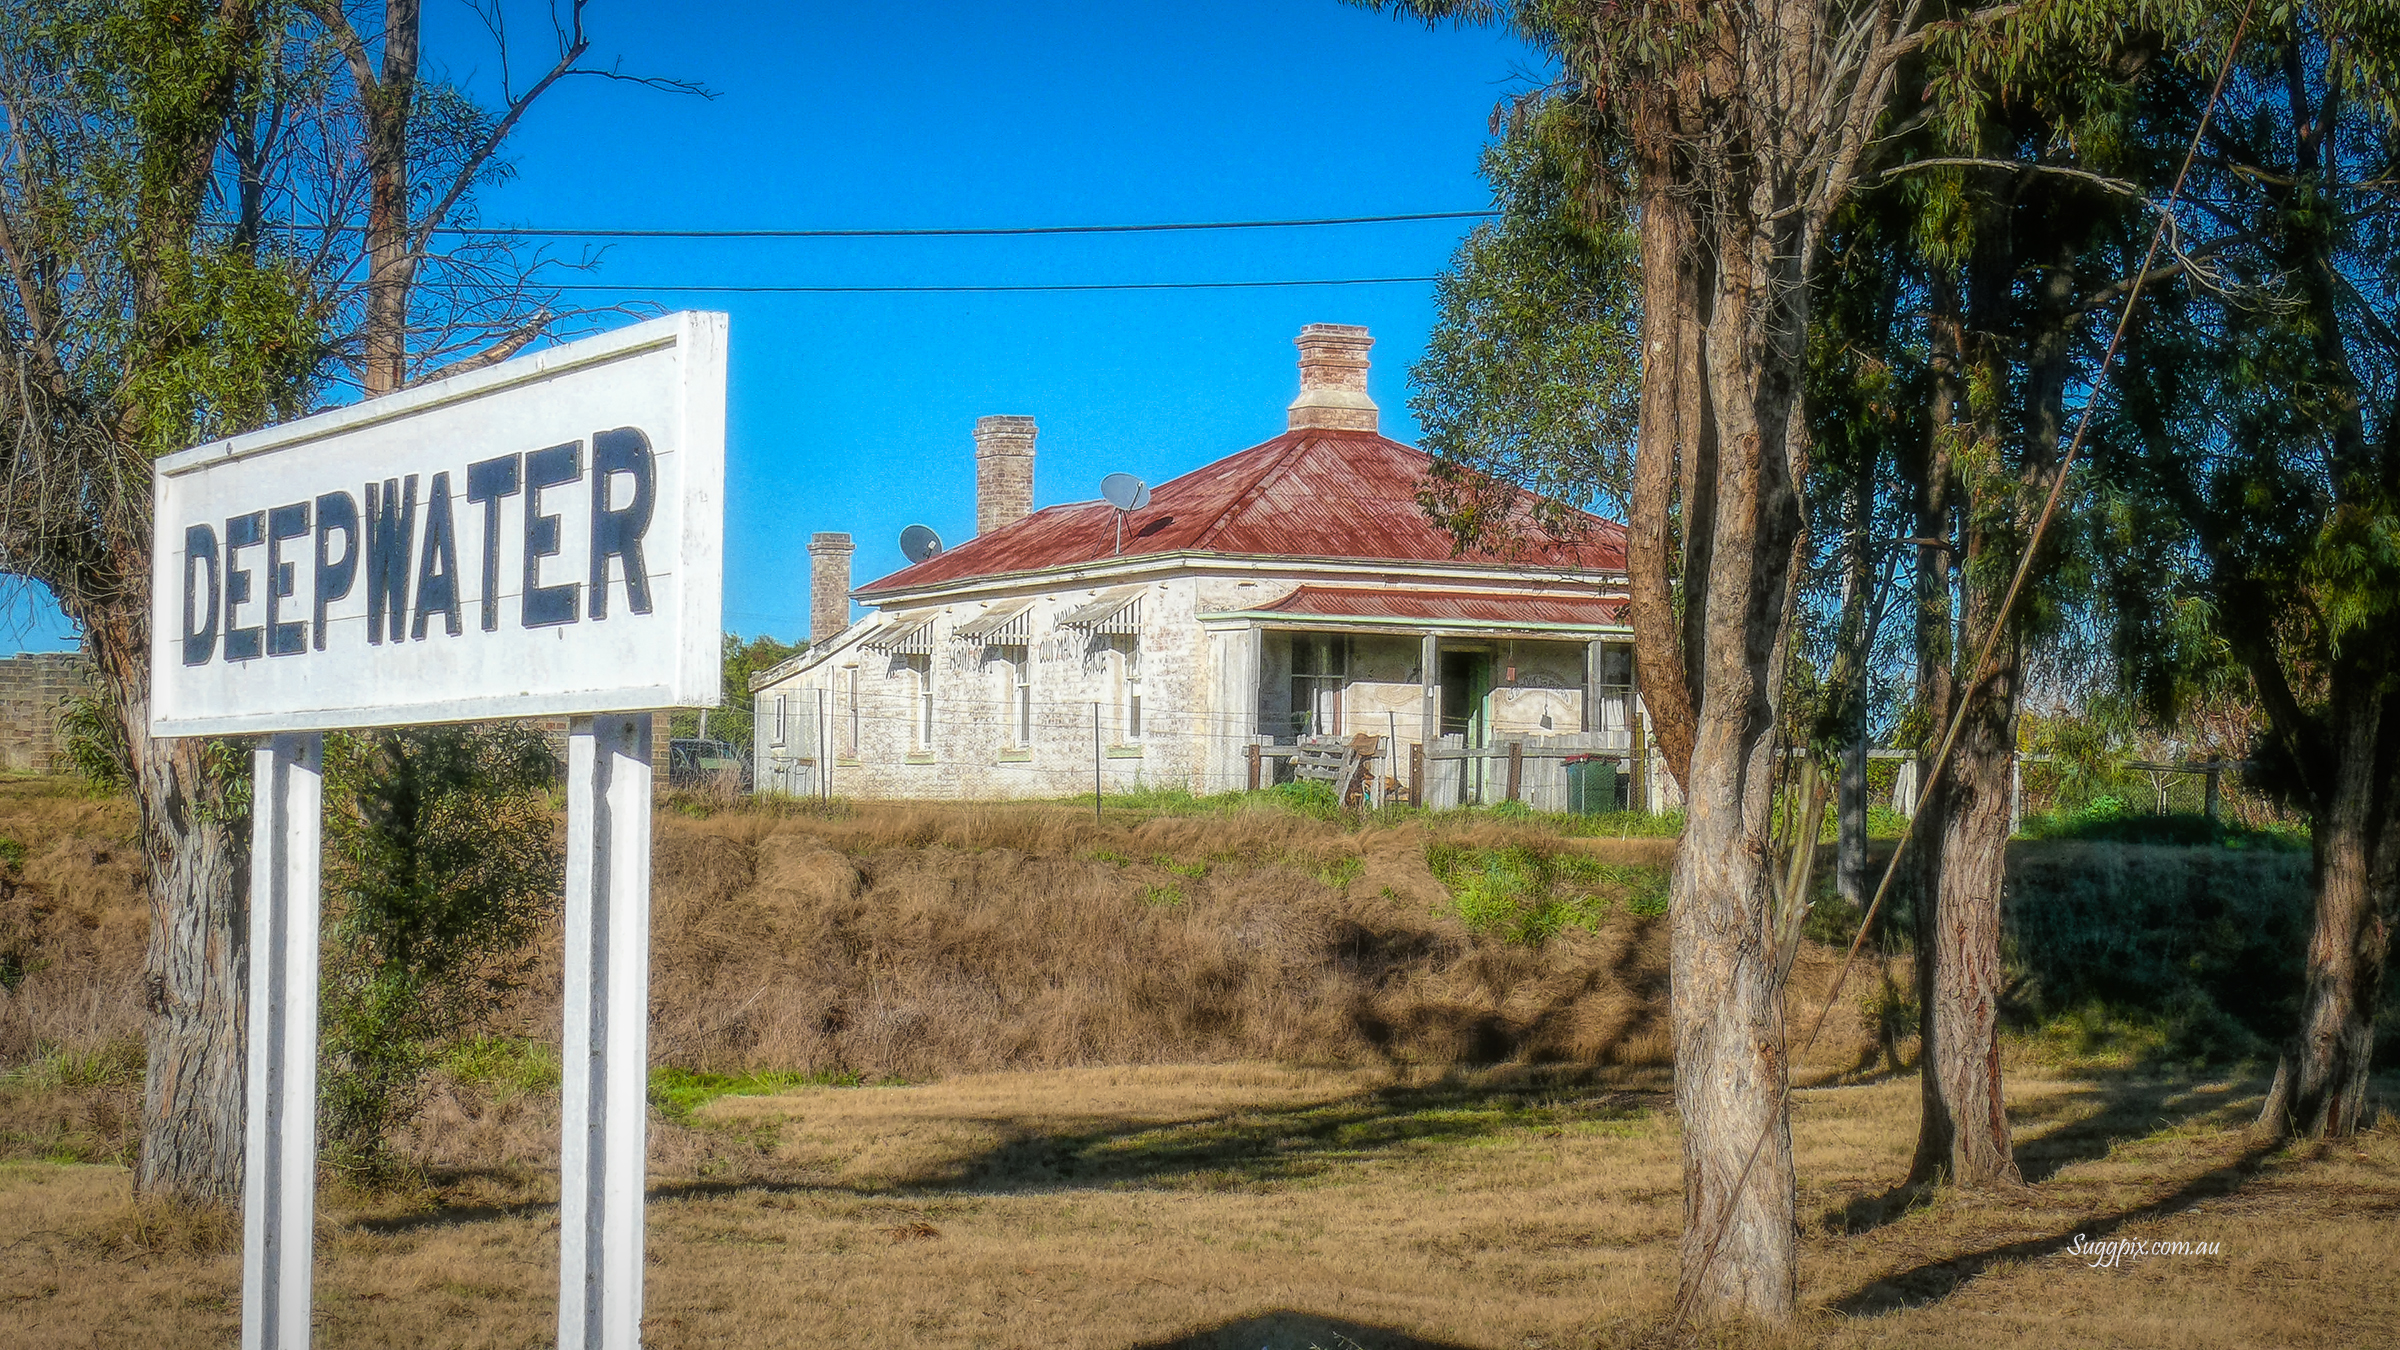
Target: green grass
[[2110, 820], [11, 852], [1526, 895], [504, 1066], [1162, 896], [116, 1064], [677, 1093], [1342, 871]]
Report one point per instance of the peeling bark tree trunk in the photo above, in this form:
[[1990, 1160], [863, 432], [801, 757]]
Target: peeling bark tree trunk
[[1730, 1067], [1962, 1067], [2321, 1081], [196, 974], [1935, 652], [1850, 825]]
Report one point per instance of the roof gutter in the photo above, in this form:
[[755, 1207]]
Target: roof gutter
[[1277, 618], [1193, 560]]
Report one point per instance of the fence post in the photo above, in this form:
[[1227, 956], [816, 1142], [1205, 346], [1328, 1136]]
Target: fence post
[[1516, 768], [2016, 792], [1416, 774], [2216, 770], [1254, 766]]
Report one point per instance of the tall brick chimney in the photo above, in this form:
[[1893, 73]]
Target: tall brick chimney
[[1003, 471], [1333, 379], [828, 587]]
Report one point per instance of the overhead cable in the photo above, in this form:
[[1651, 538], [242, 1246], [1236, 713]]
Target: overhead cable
[[927, 232]]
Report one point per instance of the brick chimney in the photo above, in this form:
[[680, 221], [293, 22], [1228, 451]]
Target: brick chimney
[[828, 587], [1333, 379], [1003, 471]]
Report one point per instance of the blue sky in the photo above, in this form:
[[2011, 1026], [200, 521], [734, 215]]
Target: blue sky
[[855, 412]]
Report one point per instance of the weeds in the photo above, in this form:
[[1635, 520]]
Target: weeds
[[114, 1064], [1162, 896], [677, 1093], [1526, 895], [504, 1067]]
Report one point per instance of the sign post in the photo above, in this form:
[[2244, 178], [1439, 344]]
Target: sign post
[[279, 1188], [603, 1100], [541, 538]]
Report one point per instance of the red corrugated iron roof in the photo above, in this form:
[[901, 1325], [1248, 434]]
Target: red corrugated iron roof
[[1385, 602], [1304, 494]]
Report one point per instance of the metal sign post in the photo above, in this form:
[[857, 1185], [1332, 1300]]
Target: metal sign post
[[538, 538]]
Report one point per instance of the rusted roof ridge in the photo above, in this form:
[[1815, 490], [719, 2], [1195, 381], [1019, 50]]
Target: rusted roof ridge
[[1258, 484]]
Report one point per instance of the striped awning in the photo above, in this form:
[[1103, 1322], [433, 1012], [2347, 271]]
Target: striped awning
[[1005, 626], [1117, 611], [910, 634]]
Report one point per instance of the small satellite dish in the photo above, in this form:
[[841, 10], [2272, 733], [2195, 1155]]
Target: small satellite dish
[[1125, 492], [919, 542]]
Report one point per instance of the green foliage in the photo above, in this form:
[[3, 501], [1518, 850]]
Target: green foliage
[[1342, 871], [1530, 380], [94, 740], [735, 720], [1307, 797], [503, 1066], [443, 862], [112, 1064], [11, 852], [2207, 942], [1162, 897], [1526, 895], [2106, 820], [677, 1093]]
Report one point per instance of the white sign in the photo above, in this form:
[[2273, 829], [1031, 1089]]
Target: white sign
[[542, 537]]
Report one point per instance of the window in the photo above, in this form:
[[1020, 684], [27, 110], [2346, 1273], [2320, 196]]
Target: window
[[1320, 668], [780, 723], [1016, 693], [1615, 688], [1022, 676], [1128, 647], [920, 722], [850, 734]]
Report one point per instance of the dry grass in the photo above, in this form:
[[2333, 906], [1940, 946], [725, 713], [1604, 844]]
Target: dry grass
[[1239, 1206], [1107, 1157], [910, 941]]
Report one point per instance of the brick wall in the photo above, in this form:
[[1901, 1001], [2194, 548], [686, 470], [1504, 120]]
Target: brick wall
[[32, 685]]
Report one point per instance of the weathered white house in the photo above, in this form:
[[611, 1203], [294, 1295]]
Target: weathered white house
[[1294, 588]]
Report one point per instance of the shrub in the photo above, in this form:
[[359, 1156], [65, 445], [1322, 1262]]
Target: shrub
[[443, 862], [1526, 894]]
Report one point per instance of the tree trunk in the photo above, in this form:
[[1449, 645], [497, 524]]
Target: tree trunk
[[1670, 433], [1850, 824], [391, 256], [1935, 652], [2321, 1081], [1962, 1061], [1731, 1072], [195, 976]]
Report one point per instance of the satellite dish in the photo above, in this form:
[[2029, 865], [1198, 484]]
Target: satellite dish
[[1125, 492], [919, 542]]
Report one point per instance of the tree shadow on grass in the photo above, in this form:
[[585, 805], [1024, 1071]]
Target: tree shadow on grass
[[1259, 1146], [1286, 1329], [1937, 1280], [2082, 1126]]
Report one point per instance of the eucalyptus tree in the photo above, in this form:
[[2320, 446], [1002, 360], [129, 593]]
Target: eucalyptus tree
[[2254, 465], [1747, 128], [1530, 382]]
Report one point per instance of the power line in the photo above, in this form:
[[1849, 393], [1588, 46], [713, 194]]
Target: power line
[[929, 232], [765, 289]]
